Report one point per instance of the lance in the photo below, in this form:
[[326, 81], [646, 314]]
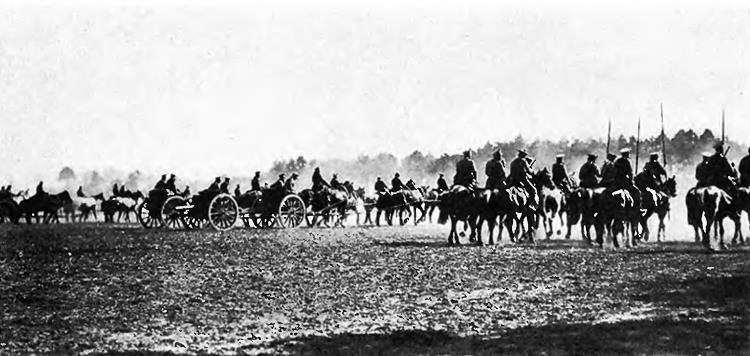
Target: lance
[[663, 137], [637, 143], [722, 125], [609, 134]]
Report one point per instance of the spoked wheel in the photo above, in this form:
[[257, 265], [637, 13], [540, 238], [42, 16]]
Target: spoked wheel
[[145, 217], [291, 211], [223, 212], [170, 215]]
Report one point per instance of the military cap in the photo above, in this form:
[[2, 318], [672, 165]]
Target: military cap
[[611, 156], [397, 175], [625, 150], [467, 153], [653, 154], [707, 154], [497, 153], [592, 156], [719, 146], [522, 151]]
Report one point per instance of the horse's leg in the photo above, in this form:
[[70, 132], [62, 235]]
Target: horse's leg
[[453, 234], [478, 236], [490, 230], [661, 233]]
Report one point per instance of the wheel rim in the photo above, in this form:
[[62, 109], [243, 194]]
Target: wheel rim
[[223, 212], [291, 211], [146, 218], [170, 216]]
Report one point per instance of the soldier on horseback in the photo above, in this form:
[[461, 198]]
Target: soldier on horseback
[[396, 183], [214, 187], [160, 185], [560, 174], [589, 173], [442, 185], [115, 191], [237, 191], [495, 171], [624, 176], [40, 189], [380, 186], [335, 184], [702, 173], [608, 171], [255, 183], [318, 181], [656, 172], [744, 170], [719, 169], [289, 184], [520, 171], [466, 173], [80, 193], [224, 187], [170, 185], [279, 184]]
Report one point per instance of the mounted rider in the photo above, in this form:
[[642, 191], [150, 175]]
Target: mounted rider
[[702, 172], [744, 170], [656, 172], [279, 184], [289, 184], [237, 191], [560, 174], [589, 173], [442, 185], [466, 173], [224, 186], [520, 173], [624, 176], [80, 193], [160, 185], [40, 189], [318, 183], [170, 185], [608, 171], [396, 183], [255, 183], [115, 191], [720, 170], [380, 187], [495, 171], [214, 187], [335, 184]]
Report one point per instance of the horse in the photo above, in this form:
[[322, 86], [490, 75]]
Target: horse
[[655, 201], [551, 199], [323, 203], [714, 204], [127, 204], [48, 204], [389, 203], [368, 203], [459, 204], [355, 202], [431, 201], [742, 203], [415, 197], [616, 210]]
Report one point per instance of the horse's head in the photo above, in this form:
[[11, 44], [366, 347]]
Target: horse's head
[[669, 187], [543, 178], [411, 185], [360, 192], [99, 196]]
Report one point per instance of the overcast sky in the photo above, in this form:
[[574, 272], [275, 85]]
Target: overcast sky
[[210, 88]]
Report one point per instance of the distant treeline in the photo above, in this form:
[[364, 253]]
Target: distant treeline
[[682, 150]]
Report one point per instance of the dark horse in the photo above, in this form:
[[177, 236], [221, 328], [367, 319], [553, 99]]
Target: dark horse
[[327, 203], [616, 211], [459, 204], [48, 204], [655, 201]]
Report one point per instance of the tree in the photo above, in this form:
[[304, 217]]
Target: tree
[[66, 173]]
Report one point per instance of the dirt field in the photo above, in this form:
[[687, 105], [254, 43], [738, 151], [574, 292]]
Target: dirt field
[[121, 289]]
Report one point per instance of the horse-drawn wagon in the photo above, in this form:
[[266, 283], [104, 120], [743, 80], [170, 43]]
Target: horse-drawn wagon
[[271, 207], [217, 209]]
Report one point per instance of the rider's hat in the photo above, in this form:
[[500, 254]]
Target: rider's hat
[[592, 156], [257, 172], [295, 175], [282, 175], [653, 154], [467, 153], [624, 150], [719, 146], [559, 156], [707, 154], [497, 154], [611, 156], [441, 174], [397, 175], [522, 151]]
